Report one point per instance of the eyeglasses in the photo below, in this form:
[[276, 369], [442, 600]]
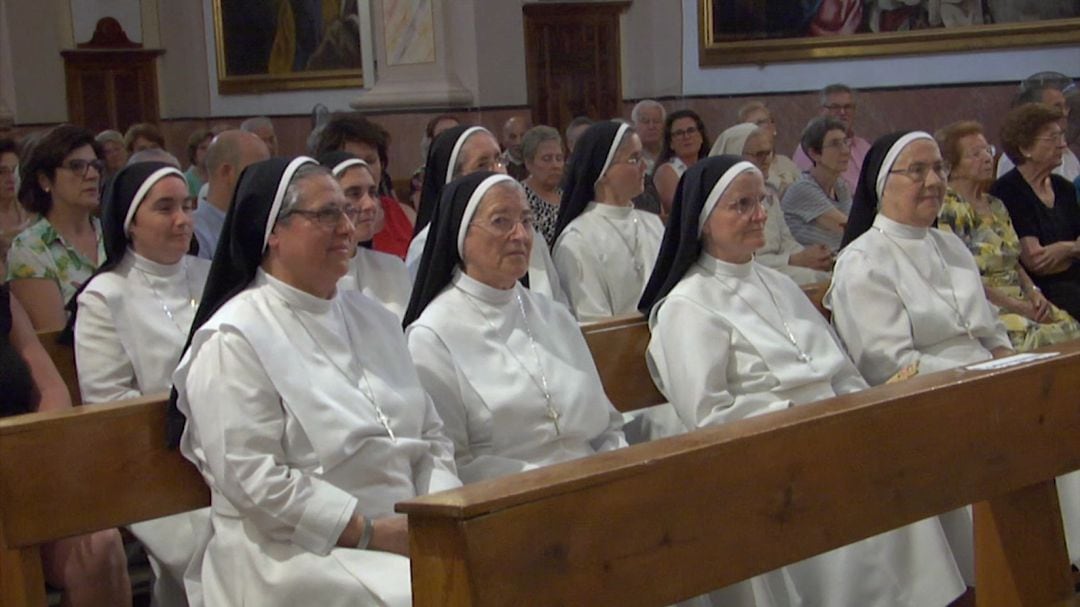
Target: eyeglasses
[[745, 206], [764, 121], [79, 166], [987, 150], [761, 156], [487, 164], [838, 144], [329, 216], [502, 226], [839, 107], [918, 172], [632, 160], [688, 131]]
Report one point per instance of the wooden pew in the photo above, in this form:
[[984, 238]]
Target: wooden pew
[[668, 520], [63, 356], [70, 472]]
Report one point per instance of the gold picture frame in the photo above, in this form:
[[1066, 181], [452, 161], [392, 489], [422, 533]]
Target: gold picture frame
[[714, 51], [259, 68]]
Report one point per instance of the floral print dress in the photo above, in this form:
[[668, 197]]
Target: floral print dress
[[996, 248], [40, 251]]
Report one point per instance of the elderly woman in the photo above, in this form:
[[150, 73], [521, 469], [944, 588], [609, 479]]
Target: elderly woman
[[1042, 205], [981, 221], [781, 252], [542, 150], [132, 321], [53, 257], [685, 142], [459, 151], [604, 247], [733, 339], [817, 205], [508, 369], [304, 412], [380, 276]]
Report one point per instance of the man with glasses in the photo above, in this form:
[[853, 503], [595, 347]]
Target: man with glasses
[[838, 101]]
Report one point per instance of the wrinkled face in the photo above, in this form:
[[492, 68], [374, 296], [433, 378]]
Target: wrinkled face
[[361, 192], [9, 163], [546, 166], [842, 107], [115, 155], [758, 149], [976, 159], [161, 229], [686, 138], [75, 181], [368, 153], [762, 118], [499, 239], [650, 125], [835, 152], [512, 132], [1056, 98], [915, 187], [1048, 148], [142, 143], [313, 256], [626, 175], [480, 152], [736, 226]]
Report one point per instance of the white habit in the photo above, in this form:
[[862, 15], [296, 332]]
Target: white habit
[[475, 356], [604, 258], [131, 326], [902, 294], [283, 393], [381, 277], [720, 352], [542, 275]]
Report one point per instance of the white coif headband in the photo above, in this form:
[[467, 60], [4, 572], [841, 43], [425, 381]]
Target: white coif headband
[[614, 147], [340, 168], [460, 143], [892, 155], [279, 195], [474, 203], [718, 190], [144, 189]]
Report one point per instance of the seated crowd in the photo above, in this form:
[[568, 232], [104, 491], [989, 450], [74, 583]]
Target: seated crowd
[[333, 349]]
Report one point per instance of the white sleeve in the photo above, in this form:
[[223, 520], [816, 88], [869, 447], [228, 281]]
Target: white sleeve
[[690, 355], [582, 282], [240, 422], [439, 376], [104, 367], [437, 471]]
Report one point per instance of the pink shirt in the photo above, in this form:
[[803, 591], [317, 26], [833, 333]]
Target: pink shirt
[[859, 148]]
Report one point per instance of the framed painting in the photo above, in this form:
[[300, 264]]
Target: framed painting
[[282, 45], [735, 32]]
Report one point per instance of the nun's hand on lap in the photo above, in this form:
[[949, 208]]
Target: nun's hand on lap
[[815, 256], [391, 534]]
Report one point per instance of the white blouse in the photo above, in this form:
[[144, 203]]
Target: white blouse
[[132, 324], [722, 346], [490, 358], [902, 295], [604, 258], [380, 276]]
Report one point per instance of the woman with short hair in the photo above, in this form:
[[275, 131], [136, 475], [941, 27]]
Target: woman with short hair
[[816, 206], [303, 410], [542, 151]]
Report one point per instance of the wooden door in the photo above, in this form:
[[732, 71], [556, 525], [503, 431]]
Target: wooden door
[[572, 59]]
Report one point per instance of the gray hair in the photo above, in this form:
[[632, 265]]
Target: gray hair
[[535, 136], [109, 135], [153, 155], [835, 89], [813, 136], [292, 191], [749, 108], [254, 124], [635, 114]]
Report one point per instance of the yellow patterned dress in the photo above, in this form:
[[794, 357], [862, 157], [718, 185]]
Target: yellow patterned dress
[[996, 248]]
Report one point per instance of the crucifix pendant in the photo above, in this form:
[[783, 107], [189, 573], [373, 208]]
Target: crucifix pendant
[[554, 415], [385, 422]]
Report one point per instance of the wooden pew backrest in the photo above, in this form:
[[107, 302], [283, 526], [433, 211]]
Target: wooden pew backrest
[[618, 347]]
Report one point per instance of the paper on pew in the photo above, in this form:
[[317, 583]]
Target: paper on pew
[[1010, 361]]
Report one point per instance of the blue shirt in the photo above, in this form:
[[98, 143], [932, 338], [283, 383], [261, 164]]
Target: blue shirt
[[208, 223]]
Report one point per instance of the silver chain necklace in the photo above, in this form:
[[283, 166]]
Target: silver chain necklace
[[639, 266], [362, 383], [161, 301], [541, 383], [787, 332], [955, 304]]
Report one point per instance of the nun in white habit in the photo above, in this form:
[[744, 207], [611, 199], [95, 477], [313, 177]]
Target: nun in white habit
[[378, 275], [507, 368], [131, 320], [768, 349], [454, 153], [303, 410], [605, 248]]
